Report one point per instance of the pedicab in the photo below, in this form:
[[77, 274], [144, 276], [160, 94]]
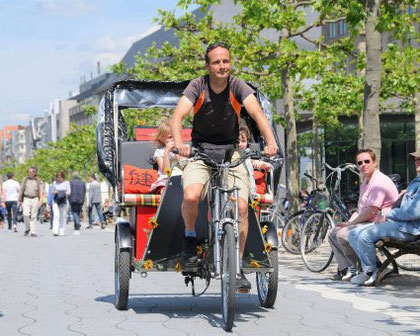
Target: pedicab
[[151, 239]]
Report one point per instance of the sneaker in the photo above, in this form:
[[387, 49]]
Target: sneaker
[[76, 233], [14, 228], [338, 276], [34, 235], [26, 232], [55, 234], [360, 279], [372, 279], [190, 257], [242, 284], [89, 227], [61, 234], [351, 272], [103, 225]]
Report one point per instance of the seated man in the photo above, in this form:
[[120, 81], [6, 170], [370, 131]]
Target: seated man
[[377, 194], [401, 223]]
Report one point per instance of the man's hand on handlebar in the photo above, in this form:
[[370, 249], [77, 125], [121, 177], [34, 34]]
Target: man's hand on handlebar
[[271, 150], [184, 150]]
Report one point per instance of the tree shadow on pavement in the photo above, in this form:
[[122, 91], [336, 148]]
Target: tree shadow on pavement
[[184, 306]]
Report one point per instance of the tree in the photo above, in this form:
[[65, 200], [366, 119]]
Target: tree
[[277, 65], [75, 152]]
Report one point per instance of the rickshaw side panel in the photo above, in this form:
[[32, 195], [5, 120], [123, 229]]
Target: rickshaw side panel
[[143, 228], [166, 240]]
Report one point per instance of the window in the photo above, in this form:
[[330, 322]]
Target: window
[[332, 30], [343, 27]]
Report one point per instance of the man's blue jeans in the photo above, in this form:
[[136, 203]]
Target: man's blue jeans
[[363, 239], [12, 212], [98, 211], [76, 208]]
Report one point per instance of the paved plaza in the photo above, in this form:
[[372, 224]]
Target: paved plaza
[[64, 286]]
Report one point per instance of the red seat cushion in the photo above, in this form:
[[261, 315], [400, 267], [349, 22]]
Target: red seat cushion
[[260, 182], [137, 180]]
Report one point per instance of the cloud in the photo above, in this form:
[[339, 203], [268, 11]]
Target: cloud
[[65, 7]]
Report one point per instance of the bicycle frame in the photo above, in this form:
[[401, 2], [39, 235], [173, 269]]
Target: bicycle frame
[[220, 209]]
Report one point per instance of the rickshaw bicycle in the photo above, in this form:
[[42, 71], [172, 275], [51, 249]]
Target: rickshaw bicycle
[[221, 260], [150, 239]]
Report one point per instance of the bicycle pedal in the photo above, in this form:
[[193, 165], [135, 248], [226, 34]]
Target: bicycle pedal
[[242, 290]]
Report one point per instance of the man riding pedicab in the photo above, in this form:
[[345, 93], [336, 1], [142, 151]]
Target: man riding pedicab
[[216, 99]]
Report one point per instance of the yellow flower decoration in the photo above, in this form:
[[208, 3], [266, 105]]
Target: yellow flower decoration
[[254, 204], [148, 264], [140, 122], [255, 264], [264, 229], [152, 221], [199, 249], [178, 267], [268, 247], [168, 171]]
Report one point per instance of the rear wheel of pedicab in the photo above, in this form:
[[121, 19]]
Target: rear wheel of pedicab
[[122, 277], [228, 276], [267, 282]]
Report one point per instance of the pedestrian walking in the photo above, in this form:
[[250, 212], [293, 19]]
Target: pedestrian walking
[[76, 200], [30, 197], [61, 191], [94, 201], [50, 202], [10, 197]]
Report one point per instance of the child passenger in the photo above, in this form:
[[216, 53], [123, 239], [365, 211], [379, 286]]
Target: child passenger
[[163, 155], [244, 135]]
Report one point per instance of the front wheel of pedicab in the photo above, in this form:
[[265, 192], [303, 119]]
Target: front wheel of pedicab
[[228, 276], [122, 277], [267, 282]]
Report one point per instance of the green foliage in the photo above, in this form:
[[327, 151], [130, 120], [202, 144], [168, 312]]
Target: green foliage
[[75, 152], [90, 110]]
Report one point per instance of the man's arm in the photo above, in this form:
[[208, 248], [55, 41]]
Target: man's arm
[[181, 111], [254, 110], [364, 216]]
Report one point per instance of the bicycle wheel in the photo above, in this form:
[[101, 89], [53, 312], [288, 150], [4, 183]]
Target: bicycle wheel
[[267, 282], [290, 235], [315, 250], [227, 246], [409, 262]]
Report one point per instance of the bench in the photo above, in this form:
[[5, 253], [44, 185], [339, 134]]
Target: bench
[[401, 248]]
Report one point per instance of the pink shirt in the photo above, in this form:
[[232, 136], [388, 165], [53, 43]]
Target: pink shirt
[[380, 192]]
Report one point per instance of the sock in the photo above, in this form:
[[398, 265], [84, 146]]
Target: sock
[[190, 233]]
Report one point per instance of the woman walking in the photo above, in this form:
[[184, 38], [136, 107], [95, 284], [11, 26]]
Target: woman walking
[[61, 190]]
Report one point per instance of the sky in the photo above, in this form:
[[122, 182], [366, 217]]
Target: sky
[[46, 46]]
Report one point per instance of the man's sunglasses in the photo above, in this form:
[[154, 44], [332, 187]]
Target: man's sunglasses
[[363, 161]]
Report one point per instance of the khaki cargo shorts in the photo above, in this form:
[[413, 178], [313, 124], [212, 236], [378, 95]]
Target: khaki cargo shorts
[[198, 172]]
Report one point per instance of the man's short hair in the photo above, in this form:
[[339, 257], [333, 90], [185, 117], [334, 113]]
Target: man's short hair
[[10, 175], [367, 150], [214, 46], [93, 176], [35, 169], [76, 174]]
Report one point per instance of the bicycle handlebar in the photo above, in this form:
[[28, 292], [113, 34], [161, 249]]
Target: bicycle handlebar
[[198, 154]]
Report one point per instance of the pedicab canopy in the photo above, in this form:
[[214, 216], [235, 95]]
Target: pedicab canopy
[[111, 128]]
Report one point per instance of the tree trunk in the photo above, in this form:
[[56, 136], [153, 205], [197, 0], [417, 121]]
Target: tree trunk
[[316, 149], [292, 162], [371, 124]]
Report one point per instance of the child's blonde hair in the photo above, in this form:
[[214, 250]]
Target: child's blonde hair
[[164, 128]]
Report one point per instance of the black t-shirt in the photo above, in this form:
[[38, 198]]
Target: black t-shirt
[[216, 116]]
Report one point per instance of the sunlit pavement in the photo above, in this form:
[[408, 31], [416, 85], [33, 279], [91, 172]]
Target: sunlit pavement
[[64, 286]]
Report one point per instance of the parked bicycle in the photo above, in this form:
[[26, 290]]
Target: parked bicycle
[[315, 250], [290, 236]]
